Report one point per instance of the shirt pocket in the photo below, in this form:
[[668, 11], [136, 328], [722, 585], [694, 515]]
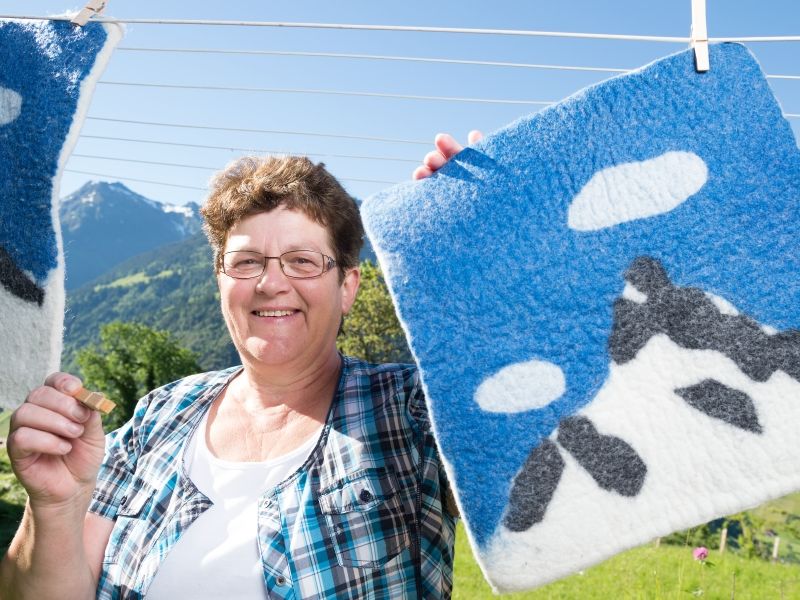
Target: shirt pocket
[[365, 519], [129, 533]]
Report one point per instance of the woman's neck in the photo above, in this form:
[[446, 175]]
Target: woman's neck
[[256, 419], [264, 387]]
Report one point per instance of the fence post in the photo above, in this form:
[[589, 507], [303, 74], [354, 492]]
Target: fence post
[[775, 546], [723, 538]]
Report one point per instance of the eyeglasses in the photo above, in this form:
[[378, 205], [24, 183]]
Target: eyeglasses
[[297, 264]]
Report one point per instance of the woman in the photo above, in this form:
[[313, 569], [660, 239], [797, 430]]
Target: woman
[[300, 474]]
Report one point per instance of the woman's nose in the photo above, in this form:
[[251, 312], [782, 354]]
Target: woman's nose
[[273, 276]]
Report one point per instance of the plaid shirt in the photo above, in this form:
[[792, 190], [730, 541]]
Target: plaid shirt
[[364, 517]]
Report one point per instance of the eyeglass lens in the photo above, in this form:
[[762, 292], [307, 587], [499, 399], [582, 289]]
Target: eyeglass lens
[[297, 263]]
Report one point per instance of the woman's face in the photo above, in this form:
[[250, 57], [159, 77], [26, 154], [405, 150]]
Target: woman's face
[[275, 320]]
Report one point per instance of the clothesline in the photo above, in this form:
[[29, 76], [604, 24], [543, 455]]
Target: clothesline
[[231, 88], [419, 59], [145, 138], [369, 138], [240, 149], [186, 166], [193, 187], [417, 29]]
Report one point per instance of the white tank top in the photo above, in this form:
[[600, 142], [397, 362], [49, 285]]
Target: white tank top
[[217, 556]]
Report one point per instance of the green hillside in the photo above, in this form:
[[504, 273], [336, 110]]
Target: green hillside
[[171, 288]]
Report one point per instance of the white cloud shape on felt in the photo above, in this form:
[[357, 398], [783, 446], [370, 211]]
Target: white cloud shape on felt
[[10, 105], [521, 386], [637, 190]]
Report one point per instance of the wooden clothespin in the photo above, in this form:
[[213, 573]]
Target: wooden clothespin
[[94, 400], [699, 36], [92, 8]]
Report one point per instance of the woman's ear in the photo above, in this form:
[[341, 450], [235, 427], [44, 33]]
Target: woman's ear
[[352, 279]]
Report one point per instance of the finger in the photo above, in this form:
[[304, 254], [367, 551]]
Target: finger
[[26, 442], [434, 160], [53, 400], [63, 382], [421, 172], [474, 136], [33, 416], [447, 145]]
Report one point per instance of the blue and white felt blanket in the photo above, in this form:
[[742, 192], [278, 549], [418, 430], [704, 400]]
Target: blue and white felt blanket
[[604, 302], [48, 70]]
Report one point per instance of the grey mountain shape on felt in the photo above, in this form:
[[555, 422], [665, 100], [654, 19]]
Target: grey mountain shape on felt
[[691, 320], [14, 279]]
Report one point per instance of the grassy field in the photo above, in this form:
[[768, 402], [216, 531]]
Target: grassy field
[[647, 572]]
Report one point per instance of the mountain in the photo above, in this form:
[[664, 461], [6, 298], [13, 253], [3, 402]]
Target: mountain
[[104, 224], [171, 288]]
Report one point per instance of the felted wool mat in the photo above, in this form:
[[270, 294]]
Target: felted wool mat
[[48, 70], [604, 300]]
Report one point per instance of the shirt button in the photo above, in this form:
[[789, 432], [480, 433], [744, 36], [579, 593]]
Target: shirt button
[[123, 501], [365, 496], [280, 580]]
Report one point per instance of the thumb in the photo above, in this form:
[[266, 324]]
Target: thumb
[[93, 426], [65, 383]]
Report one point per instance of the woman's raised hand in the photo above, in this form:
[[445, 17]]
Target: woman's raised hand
[[446, 148], [56, 444]]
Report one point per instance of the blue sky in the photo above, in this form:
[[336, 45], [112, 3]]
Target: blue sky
[[412, 120]]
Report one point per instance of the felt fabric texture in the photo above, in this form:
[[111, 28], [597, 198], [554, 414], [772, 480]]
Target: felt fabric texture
[[603, 299], [48, 70]]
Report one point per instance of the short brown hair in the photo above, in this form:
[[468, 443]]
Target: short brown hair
[[255, 184]]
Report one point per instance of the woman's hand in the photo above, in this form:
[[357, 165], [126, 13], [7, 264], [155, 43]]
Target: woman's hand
[[56, 444], [446, 148]]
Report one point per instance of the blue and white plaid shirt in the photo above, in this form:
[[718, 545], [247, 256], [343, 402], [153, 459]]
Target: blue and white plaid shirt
[[364, 517]]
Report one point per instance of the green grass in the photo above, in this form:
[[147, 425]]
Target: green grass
[[5, 418], [647, 572], [12, 501], [134, 279]]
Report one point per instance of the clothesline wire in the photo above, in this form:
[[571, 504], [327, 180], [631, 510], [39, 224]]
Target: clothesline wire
[[421, 59], [316, 134], [393, 28], [192, 187], [120, 177], [185, 166], [144, 162], [238, 149], [414, 29], [267, 131], [363, 27], [226, 88], [347, 55]]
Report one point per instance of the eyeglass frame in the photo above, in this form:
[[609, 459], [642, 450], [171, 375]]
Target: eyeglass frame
[[328, 266]]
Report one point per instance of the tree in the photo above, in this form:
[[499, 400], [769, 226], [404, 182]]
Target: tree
[[132, 360], [706, 535], [371, 331], [751, 528]]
